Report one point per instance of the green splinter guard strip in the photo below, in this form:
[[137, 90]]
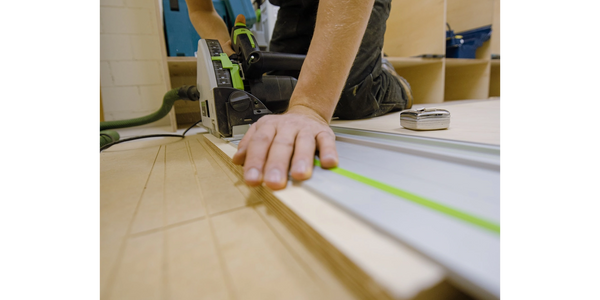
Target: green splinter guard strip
[[452, 212], [234, 70]]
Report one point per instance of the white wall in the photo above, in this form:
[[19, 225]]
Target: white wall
[[132, 76]]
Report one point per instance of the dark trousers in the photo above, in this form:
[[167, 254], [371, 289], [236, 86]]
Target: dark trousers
[[369, 90]]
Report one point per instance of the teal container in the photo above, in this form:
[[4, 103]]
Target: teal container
[[181, 36]]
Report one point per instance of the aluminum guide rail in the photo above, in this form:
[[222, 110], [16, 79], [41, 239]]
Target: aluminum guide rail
[[451, 176]]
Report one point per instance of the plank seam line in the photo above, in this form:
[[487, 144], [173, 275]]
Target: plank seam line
[[113, 273], [226, 275]]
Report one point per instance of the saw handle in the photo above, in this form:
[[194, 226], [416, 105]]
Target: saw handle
[[255, 62], [263, 62], [243, 41]]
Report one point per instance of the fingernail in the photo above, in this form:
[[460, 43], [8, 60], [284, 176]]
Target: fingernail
[[300, 167], [329, 157], [252, 175], [238, 151], [274, 176]]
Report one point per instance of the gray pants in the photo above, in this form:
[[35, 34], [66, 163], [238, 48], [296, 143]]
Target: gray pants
[[369, 90]]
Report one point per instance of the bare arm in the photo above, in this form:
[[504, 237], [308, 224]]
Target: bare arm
[[208, 23], [276, 140], [338, 32]]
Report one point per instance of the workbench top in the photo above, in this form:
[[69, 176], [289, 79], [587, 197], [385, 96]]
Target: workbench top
[[476, 121], [178, 223]]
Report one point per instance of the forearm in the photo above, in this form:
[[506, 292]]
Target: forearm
[[207, 21], [339, 30]]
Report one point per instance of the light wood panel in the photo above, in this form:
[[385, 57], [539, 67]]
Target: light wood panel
[[467, 81], [151, 211], [370, 263], [182, 66], [426, 81], [495, 40], [495, 79], [193, 265], [99, 107], [469, 14], [475, 121], [177, 224], [415, 28], [121, 187], [187, 112], [164, 65]]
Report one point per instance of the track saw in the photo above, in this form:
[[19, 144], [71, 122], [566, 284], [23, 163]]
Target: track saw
[[235, 91]]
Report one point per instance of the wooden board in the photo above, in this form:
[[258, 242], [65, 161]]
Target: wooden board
[[475, 121], [495, 78], [415, 28], [466, 80], [426, 81], [495, 40], [469, 14], [177, 222], [369, 262]]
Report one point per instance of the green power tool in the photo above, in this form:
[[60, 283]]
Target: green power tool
[[236, 91], [233, 91]]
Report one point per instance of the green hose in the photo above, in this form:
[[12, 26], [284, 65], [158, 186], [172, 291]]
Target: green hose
[[168, 101], [182, 93], [108, 136]]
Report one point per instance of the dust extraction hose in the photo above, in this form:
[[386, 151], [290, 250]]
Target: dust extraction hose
[[183, 93]]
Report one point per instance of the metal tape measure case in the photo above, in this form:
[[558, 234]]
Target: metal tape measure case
[[425, 119]]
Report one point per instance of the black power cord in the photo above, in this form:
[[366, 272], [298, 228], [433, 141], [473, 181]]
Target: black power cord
[[148, 136]]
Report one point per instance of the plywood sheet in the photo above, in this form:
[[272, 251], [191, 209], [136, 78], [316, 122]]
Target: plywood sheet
[[415, 28], [193, 266], [476, 121], [262, 268], [369, 262], [176, 223], [121, 187], [139, 274], [469, 14]]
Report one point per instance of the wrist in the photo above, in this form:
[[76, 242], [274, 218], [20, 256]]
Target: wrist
[[308, 111]]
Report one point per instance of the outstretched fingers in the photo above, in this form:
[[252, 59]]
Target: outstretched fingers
[[327, 151], [304, 155], [280, 154], [275, 146], [256, 153], [240, 156]]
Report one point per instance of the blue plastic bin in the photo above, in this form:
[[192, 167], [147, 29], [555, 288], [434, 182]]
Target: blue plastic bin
[[466, 46], [181, 36]]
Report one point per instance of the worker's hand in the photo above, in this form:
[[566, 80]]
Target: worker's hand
[[276, 140], [227, 48]]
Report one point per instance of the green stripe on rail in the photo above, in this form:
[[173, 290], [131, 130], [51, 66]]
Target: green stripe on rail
[[491, 226]]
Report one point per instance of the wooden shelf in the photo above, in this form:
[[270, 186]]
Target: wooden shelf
[[182, 66], [495, 63], [459, 62], [425, 76], [495, 78], [404, 62], [467, 80], [418, 27], [183, 71]]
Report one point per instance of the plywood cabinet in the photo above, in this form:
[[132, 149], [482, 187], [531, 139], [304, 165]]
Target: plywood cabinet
[[417, 29]]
